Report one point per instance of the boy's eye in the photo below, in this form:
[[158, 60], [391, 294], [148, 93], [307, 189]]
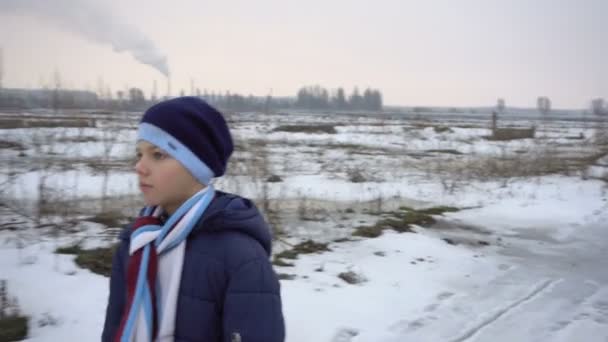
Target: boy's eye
[[158, 155], [137, 156]]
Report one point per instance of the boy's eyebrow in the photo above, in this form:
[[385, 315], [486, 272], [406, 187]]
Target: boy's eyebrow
[[147, 148]]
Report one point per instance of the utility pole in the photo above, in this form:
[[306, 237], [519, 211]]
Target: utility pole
[[56, 98], [154, 92], [168, 88], [1, 66]]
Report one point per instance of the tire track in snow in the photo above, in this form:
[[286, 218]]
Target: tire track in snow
[[534, 293]]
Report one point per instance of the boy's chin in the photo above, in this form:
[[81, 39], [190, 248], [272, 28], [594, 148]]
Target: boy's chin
[[150, 202]]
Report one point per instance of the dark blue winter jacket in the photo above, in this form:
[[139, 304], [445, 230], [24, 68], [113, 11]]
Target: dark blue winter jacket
[[228, 287]]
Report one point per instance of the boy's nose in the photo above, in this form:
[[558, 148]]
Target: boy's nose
[[140, 167]]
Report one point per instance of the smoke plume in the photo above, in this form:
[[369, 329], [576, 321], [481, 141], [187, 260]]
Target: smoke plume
[[94, 21]]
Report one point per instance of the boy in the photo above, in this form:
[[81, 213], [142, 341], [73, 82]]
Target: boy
[[194, 266]]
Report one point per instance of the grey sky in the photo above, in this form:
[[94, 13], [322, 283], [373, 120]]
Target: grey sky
[[460, 53]]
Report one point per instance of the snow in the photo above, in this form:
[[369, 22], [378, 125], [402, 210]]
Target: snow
[[51, 289], [61, 299], [408, 277], [397, 284], [82, 141], [526, 262], [78, 183]]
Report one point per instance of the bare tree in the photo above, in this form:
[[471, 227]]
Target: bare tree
[[598, 106], [1, 66], [56, 90], [500, 105], [108, 144], [543, 104]]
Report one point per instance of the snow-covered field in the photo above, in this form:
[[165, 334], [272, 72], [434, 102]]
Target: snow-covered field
[[523, 260]]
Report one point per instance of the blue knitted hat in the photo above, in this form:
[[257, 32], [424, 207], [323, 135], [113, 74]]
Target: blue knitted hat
[[192, 132]]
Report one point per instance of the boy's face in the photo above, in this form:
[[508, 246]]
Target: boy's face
[[162, 179]]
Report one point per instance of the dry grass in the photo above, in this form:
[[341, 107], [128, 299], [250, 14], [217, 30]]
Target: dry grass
[[369, 231], [99, 165], [282, 263], [72, 249], [442, 129], [356, 176], [98, 260], [438, 128], [4, 144], [306, 247], [520, 164], [328, 129], [351, 277], [285, 276], [13, 328], [446, 151], [109, 219], [77, 139], [506, 134], [10, 123], [402, 221]]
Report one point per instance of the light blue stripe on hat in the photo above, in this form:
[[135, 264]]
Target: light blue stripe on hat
[[175, 149]]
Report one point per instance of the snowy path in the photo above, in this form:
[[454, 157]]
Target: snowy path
[[556, 293], [575, 302]]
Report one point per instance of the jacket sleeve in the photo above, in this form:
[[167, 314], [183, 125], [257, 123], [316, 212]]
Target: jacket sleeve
[[252, 306], [117, 297]]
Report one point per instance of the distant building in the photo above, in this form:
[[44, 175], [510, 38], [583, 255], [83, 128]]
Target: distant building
[[598, 106], [46, 98], [500, 105], [543, 104]]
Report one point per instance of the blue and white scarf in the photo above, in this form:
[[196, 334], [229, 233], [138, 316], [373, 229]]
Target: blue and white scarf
[[155, 267]]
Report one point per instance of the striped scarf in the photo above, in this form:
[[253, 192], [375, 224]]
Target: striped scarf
[[155, 267]]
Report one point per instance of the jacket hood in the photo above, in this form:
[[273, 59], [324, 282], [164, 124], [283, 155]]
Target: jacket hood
[[229, 212]]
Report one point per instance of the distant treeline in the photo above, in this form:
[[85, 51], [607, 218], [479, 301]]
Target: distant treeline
[[134, 99], [47, 98], [316, 97], [310, 98]]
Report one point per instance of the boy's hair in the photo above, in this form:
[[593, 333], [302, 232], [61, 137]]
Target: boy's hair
[[192, 132]]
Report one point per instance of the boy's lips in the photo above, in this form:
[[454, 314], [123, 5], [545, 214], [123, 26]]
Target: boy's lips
[[144, 187]]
